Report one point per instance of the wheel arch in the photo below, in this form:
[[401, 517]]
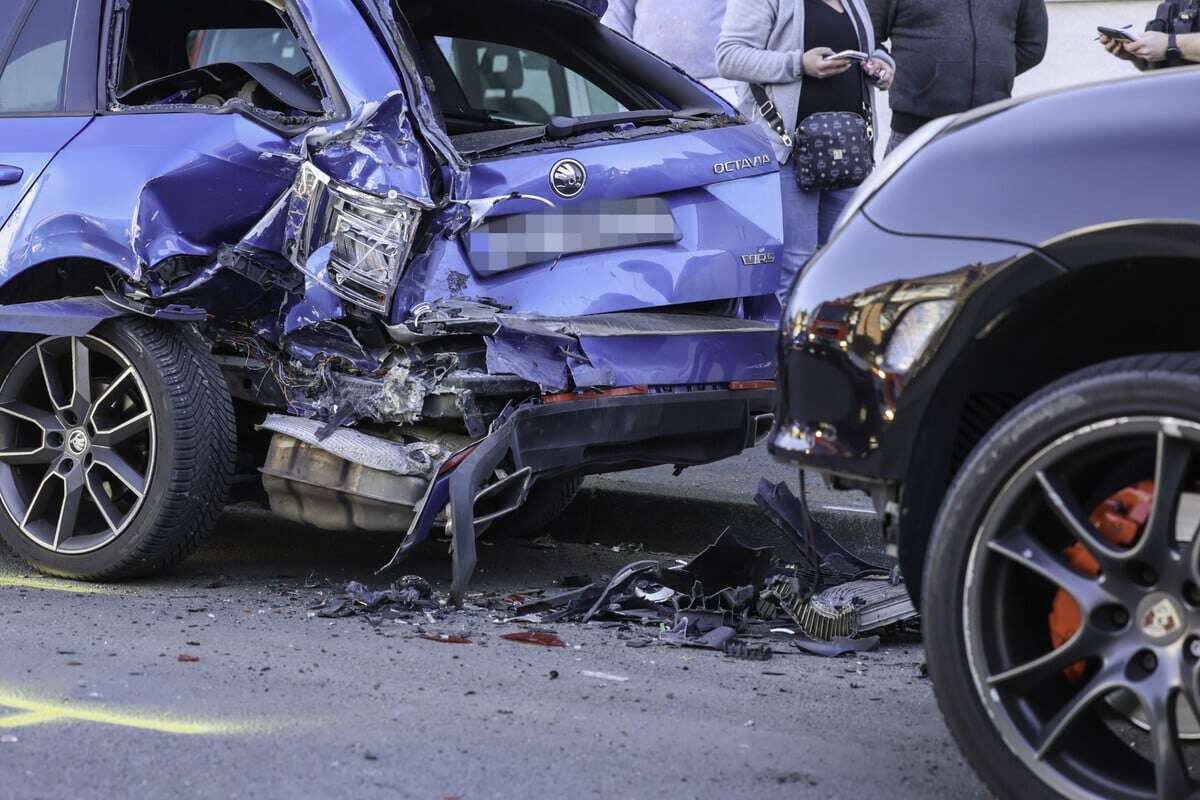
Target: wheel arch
[[1129, 303], [58, 278]]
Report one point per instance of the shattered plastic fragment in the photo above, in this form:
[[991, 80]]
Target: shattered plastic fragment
[[543, 638], [745, 651], [604, 676], [837, 647], [446, 638], [410, 593], [725, 563]]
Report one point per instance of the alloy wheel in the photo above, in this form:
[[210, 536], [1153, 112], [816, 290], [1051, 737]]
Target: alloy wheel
[[1137, 643], [77, 444]]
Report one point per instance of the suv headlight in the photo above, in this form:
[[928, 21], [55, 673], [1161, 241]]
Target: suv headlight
[[916, 330], [371, 237]]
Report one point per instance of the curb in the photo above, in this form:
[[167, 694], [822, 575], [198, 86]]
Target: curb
[[675, 523]]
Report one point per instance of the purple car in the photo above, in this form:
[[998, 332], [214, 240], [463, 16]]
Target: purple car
[[386, 265]]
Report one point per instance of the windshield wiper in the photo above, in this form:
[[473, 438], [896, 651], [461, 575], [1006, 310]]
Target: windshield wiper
[[566, 127], [482, 116]]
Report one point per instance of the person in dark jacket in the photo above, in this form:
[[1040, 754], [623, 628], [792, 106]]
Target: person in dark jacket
[[955, 55]]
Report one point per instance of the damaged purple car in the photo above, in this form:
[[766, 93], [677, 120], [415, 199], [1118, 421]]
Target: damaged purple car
[[386, 265]]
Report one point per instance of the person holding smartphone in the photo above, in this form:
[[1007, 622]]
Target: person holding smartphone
[[1171, 38], [784, 51]]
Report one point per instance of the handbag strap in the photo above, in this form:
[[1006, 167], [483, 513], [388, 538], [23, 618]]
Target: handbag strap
[[868, 114], [771, 114]]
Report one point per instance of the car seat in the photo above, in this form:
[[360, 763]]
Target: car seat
[[502, 68]]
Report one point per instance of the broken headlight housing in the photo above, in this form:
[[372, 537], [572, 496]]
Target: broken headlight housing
[[354, 243]]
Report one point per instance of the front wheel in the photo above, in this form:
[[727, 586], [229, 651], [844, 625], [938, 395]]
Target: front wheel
[[1062, 589], [116, 449]]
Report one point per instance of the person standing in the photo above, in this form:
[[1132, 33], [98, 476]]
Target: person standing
[[683, 32], [781, 50], [955, 55], [1171, 38]]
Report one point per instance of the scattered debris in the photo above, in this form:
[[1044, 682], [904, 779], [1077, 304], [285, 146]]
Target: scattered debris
[[410, 593], [749, 652], [446, 638], [733, 599], [840, 646], [546, 542], [604, 676], [855, 607], [543, 638]]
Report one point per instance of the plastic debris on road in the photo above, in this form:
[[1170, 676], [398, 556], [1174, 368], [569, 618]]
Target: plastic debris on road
[[543, 638]]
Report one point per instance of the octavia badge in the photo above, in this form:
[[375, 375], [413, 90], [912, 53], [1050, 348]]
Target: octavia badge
[[567, 178]]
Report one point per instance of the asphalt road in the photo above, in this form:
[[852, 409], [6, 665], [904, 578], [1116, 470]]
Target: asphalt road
[[268, 701]]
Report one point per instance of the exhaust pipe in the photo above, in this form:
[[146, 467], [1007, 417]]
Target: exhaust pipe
[[502, 497], [762, 425]]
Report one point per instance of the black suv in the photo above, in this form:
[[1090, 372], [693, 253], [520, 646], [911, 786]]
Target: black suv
[[1001, 346]]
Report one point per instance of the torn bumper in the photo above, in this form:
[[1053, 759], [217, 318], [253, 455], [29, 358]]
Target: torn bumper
[[611, 433], [591, 435]]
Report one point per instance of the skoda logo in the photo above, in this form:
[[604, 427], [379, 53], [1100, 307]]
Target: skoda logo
[[77, 442], [567, 178]]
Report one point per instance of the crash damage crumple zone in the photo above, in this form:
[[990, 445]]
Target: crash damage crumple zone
[[335, 274]]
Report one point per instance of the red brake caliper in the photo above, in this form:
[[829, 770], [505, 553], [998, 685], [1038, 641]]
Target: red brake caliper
[[1120, 520]]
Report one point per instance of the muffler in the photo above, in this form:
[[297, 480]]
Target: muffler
[[348, 481]]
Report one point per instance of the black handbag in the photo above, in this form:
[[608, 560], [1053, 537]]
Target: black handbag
[[831, 149]]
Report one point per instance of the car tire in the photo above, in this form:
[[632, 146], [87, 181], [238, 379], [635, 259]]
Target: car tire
[[143, 459], [547, 501], [964, 636]]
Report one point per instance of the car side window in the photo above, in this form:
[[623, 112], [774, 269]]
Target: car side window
[[276, 46], [194, 54], [34, 74]]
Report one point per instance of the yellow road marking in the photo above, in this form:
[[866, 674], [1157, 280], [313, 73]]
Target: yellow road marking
[[40, 712], [56, 585], [28, 718]]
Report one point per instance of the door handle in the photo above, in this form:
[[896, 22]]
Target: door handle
[[10, 175]]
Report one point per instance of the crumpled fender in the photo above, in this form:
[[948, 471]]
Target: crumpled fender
[[79, 316]]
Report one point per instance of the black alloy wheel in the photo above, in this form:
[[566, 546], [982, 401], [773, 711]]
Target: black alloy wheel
[[115, 448], [77, 443], [1110, 709]]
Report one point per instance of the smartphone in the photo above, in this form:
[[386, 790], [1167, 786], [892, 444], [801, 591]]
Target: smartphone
[[1119, 34], [848, 55]]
